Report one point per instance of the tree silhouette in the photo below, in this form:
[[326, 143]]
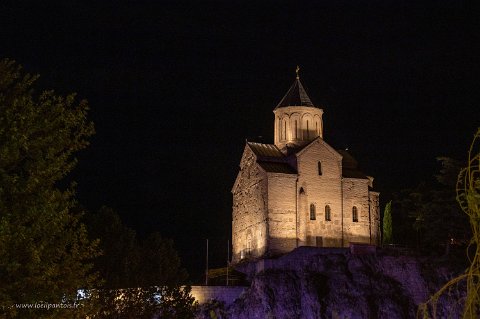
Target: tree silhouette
[[142, 278], [44, 250], [387, 224]]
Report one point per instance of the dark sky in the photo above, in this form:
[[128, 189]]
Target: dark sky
[[176, 88]]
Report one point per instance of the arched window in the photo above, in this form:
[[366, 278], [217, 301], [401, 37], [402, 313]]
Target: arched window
[[313, 214], [328, 215], [319, 168], [284, 130], [302, 191], [354, 214], [308, 132]]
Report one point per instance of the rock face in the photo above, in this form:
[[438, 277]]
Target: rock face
[[323, 283]]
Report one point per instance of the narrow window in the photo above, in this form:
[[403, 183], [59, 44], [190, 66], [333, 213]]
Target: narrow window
[[296, 129], [308, 132], [280, 129], [319, 168], [284, 130], [327, 213], [312, 212], [316, 128], [354, 214]]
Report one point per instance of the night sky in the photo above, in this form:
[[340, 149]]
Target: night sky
[[176, 88]]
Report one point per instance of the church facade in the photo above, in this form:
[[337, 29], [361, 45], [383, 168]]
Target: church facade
[[300, 191]]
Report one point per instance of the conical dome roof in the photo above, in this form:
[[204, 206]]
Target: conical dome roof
[[296, 96]]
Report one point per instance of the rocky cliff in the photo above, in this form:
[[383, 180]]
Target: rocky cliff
[[333, 283]]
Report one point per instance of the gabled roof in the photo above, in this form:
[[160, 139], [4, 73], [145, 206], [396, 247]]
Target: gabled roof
[[350, 166], [347, 160], [296, 96], [274, 167], [271, 159], [349, 163], [351, 173], [265, 150], [318, 139]]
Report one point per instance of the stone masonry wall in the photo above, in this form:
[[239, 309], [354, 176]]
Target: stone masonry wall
[[355, 193], [281, 212], [320, 190], [291, 125], [249, 213], [271, 211]]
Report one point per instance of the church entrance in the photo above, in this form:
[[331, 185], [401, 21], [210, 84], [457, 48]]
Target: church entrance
[[319, 241]]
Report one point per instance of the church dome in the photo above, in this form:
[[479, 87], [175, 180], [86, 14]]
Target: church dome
[[297, 120], [296, 96]]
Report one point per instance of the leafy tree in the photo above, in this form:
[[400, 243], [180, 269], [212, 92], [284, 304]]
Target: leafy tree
[[142, 278], [44, 249], [118, 244], [468, 197], [387, 224], [430, 214]]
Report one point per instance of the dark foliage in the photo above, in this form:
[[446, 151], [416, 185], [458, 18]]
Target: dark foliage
[[142, 278], [428, 217], [45, 253], [387, 224]]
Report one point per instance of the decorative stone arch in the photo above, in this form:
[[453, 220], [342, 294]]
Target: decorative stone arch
[[318, 125], [295, 125], [279, 126], [308, 127], [284, 128], [303, 189]]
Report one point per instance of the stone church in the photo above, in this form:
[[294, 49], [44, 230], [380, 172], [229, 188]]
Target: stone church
[[300, 191]]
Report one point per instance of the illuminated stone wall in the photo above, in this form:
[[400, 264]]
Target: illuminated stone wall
[[355, 194], [271, 211], [320, 190], [297, 125], [281, 212], [249, 216]]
